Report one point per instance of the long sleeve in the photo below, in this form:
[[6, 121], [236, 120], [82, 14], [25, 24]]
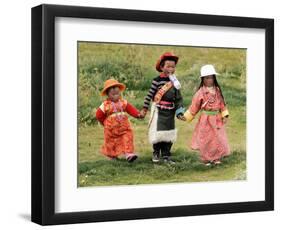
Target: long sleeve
[[179, 103], [194, 107], [100, 116], [223, 108], [133, 111], [151, 93]]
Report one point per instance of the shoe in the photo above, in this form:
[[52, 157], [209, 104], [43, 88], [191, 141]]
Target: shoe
[[156, 157], [131, 157], [217, 162], [169, 160]]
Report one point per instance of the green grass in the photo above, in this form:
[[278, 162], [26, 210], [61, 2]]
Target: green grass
[[134, 65], [188, 168], [95, 169]]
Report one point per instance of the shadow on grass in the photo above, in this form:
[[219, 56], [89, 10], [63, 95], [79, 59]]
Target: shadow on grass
[[143, 171]]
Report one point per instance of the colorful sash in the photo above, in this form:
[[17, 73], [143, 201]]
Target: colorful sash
[[162, 91]]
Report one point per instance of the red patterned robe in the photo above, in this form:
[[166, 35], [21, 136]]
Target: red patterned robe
[[118, 134], [209, 135]]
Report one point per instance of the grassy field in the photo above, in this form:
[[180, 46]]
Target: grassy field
[[134, 66]]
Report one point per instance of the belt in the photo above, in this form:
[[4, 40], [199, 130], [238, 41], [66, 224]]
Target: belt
[[166, 105], [166, 102], [209, 112], [117, 114]]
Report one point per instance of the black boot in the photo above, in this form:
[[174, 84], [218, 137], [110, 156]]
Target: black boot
[[156, 152], [166, 153]]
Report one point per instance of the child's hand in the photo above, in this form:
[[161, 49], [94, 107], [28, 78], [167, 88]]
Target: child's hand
[[143, 113], [140, 116], [224, 120], [181, 117]]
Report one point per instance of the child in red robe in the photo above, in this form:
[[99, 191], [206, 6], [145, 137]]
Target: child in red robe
[[112, 114]]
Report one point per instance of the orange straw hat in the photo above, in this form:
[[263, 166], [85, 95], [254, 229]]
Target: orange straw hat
[[163, 57], [110, 83]]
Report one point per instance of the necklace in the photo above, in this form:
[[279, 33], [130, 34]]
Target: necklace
[[115, 110], [212, 94]]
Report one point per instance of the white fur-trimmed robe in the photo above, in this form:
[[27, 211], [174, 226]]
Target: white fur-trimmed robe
[[159, 136]]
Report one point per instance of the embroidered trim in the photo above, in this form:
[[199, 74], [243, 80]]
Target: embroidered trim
[[188, 116], [162, 91], [179, 111], [225, 113]]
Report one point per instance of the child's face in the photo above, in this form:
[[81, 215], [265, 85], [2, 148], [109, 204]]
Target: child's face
[[168, 67], [209, 80], [114, 93]]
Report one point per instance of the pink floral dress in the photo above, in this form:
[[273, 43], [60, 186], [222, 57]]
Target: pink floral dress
[[209, 136]]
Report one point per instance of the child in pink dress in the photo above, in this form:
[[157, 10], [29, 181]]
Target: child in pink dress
[[209, 136]]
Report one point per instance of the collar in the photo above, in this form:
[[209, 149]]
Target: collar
[[163, 75], [109, 100], [206, 89]]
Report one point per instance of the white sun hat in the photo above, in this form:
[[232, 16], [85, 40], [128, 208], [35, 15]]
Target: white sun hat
[[207, 70]]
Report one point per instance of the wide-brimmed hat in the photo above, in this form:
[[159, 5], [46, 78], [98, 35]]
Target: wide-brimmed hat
[[207, 70], [110, 83], [163, 57]]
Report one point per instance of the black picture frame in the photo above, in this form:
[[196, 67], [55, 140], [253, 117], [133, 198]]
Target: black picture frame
[[43, 114]]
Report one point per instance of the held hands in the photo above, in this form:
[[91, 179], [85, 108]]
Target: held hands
[[140, 116], [142, 113], [181, 117]]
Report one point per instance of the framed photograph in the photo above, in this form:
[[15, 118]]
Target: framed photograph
[[145, 114]]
